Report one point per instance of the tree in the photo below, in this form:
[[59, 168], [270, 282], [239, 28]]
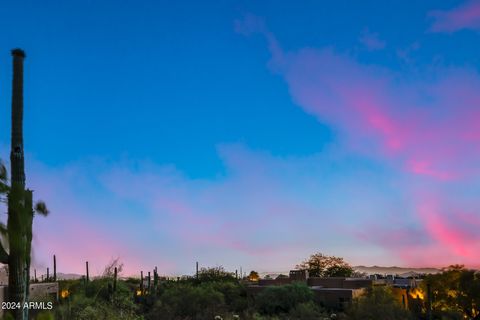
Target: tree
[[109, 270], [320, 265], [215, 274], [455, 290], [17, 234]]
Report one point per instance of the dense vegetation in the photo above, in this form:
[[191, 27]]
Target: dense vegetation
[[217, 294], [455, 293]]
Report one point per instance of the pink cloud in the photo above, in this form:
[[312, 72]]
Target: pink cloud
[[465, 16], [263, 211], [458, 232], [443, 237], [427, 124], [79, 230], [424, 123]]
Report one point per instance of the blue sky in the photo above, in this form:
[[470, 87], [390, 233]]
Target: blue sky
[[150, 118]]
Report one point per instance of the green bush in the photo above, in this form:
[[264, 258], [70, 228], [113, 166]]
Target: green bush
[[95, 301], [235, 295], [282, 299], [306, 311], [185, 301]]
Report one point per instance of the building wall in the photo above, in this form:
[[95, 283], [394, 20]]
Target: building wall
[[274, 282], [325, 282], [357, 283]]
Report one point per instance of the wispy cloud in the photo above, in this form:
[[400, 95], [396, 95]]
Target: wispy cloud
[[265, 212], [371, 40], [465, 16], [423, 124]]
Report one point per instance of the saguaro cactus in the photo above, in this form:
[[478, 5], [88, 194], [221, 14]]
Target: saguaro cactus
[[20, 204], [54, 268], [155, 280], [148, 283], [16, 197], [115, 273]]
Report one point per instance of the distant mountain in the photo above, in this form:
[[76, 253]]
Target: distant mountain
[[401, 271], [395, 270]]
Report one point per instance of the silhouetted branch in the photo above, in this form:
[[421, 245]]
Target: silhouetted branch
[[41, 208]]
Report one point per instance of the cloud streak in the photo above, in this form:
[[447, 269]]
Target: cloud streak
[[371, 40], [465, 16]]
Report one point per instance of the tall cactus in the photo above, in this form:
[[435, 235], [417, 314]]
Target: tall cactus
[[155, 281], [115, 274], [16, 197], [20, 205], [87, 279]]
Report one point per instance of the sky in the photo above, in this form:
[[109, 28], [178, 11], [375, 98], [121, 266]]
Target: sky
[[248, 134]]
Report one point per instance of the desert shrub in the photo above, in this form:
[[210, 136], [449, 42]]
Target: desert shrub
[[96, 301], [45, 315], [305, 311], [282, 299], [185, 301], [235, 295]]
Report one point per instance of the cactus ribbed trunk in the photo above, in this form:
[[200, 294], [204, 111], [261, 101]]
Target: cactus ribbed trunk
[[16, 154], [28, 232], [17, 263]]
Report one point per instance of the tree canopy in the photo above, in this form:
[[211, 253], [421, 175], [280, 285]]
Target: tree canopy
[[320, 265]]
